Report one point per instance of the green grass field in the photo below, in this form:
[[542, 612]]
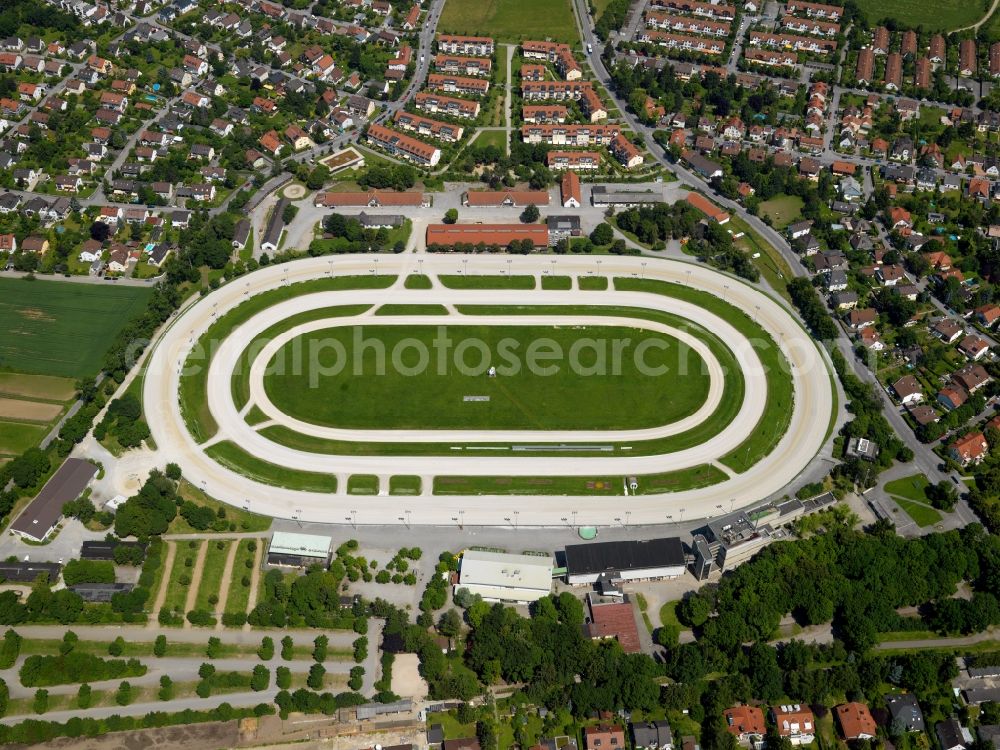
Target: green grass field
[[592, 283], [783, 209], [941, 15], [239, 595], [362, 484], [17, 437], [177, 590], [911, 488], [511, 20], [211, 576], [412, 310], [486, 281], [232, 456], [404, 484], [560, 283], [418, 281], [923, 515], [63, 329], [417, 393], [496, 138]]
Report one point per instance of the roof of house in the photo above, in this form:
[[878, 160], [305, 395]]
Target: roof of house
[[742, 720], [507, 197], [855, 720], [64, 486], [614, 620], [639, 554], [489, 234]]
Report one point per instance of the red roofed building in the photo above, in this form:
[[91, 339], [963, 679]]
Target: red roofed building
[[371, 199], [499, 235], [570, 188], [856, 722], [746, 723], [604, 737], [625, 152], [969, 449], [613, 619], [795, 722], [697, 200], [494, 198]]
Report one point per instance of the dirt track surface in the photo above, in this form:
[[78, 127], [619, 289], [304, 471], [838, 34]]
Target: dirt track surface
[[203, 736]]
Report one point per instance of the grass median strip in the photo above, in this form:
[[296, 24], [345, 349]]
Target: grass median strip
[[239, 587], [487, 281], [211, 576], [404, 484], [412, 310], [233, 457]]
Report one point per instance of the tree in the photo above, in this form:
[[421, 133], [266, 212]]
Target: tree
[[317, 672], [84, 696], [451, 216], [320, 646], [942, 495], [260, 679], [100, 231], [117, 646], [173, 471], [124, 695], [206, 670], [530, 214], [283, 678], [603, 234], [166, 692], [214, 648], [450, 623], [41, 702], [287, 648], [160, 646], [266, 650], [29, 467]]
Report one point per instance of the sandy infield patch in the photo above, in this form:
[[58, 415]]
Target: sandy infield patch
[[294, 192], [31, 411], [406, 679]]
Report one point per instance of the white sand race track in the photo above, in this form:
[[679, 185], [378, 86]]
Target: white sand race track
[[810, 418]]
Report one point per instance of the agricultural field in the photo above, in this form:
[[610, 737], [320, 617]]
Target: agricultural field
[[458, 398], [511, 20], [29, 407], [62, 329], [942, 15]]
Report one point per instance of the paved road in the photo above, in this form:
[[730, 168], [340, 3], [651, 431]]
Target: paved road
[[803, 440]]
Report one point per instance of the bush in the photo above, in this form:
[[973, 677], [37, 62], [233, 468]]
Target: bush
[[356, 679], [283, 678], [166, 692], [201, 618], [88, 571], [160, 645], [287, 648], [214, 648], [41, 702], [124, 695], [261, 678], [84, 696], [10, 648], [266, 650], [361, 649], [320, 646], [42, 671], [316, 674], [117, 646], [234, 619]]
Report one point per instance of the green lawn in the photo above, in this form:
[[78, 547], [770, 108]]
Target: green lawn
[[668, 614], [418, 281], [783, 209], [362, 484], [177, 590], [17, 437], [330, 388], [923, 515], [912, 488], [486, 281], [240, 381], [404, 484], [239, 595], [592, 283], [64, 329], [412, 310], [511, 20], [941, 15], [211, 577], [561, 283], [496, 138], [675, 481], [232, 456]]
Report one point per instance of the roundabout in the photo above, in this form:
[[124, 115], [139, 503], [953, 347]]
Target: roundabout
[[294, 389]]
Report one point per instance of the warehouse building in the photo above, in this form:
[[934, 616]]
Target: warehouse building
[[104, 549], [26, 572], [499, 577], [43, 513], [625, 561], [298, 550]]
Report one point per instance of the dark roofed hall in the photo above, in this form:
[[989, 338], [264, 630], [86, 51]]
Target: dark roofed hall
[[102, 549], [26, 572], [647, 558], [44, 512]]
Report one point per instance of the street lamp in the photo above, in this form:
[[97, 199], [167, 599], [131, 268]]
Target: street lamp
[[643, 275]]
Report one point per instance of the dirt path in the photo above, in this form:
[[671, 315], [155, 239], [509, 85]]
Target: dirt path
[[161, 595], [255, 579], [196, 571], [981, 21], [227, 579]]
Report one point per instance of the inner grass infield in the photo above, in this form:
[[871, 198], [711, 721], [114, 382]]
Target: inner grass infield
[[392, 377]]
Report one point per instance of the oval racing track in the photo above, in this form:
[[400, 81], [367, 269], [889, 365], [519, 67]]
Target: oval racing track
[[806, 431]]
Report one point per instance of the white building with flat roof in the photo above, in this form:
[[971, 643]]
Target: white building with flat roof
[[499, 577], [298, 550]]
